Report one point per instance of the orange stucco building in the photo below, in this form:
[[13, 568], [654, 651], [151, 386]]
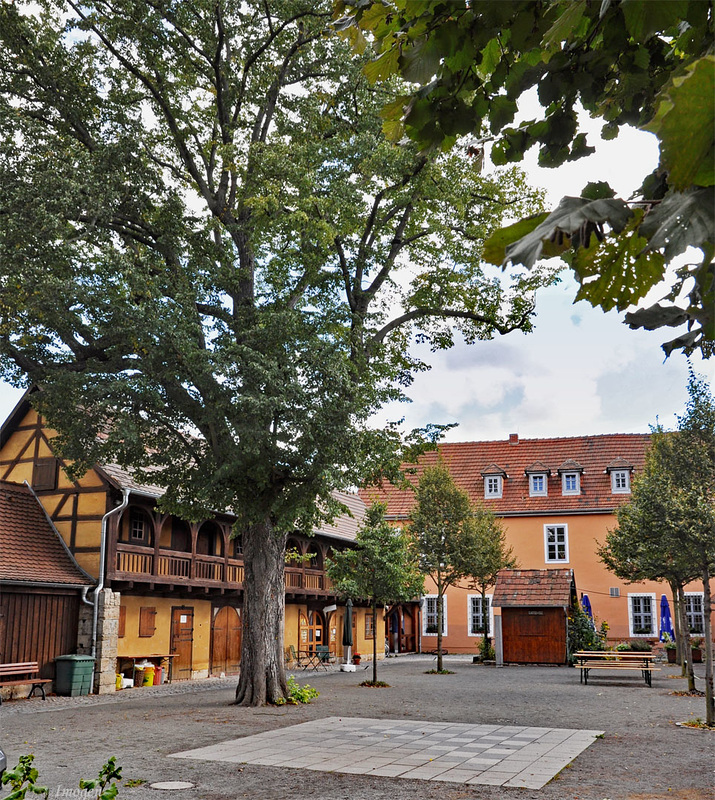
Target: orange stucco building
[[556, 499]]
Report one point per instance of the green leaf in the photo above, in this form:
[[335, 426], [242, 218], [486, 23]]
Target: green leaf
[[494, 251], [685, 124], [646, 17], [568, 24], [617, 273], [680, 221], [597, 190], [382, 67], [573, 218]]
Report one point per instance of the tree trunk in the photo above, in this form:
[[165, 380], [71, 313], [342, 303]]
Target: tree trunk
[[440, 617], [485, 622], [374, 642], [262, 679], [684, 642], [707, 613], [676, 589]]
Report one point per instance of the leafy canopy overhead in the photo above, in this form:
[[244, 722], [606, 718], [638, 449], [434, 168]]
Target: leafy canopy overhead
[[207, 245], [644, 63]]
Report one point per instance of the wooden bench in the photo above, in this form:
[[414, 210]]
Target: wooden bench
[[616, 660], [9, 676]]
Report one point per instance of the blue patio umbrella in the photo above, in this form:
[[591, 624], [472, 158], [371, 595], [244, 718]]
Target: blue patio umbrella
[[586, 606], [666, 624]]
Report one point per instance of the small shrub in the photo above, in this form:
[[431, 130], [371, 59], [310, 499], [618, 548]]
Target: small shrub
[[439, 672], [298, 694], [23, 779], [640, 646], [375, 684], [486, 651]]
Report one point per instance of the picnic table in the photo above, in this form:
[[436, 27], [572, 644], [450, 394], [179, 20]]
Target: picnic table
[[617, 660]]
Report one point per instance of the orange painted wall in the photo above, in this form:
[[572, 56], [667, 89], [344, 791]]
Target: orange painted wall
[[526, 536]]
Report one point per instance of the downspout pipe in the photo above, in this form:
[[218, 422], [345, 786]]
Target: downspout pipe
[[102, 572]]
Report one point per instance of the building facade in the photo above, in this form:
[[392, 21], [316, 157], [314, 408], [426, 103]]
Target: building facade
[[557, 500], [168, 588]]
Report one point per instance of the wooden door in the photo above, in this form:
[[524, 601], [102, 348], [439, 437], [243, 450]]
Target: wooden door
[[226, 641], [182, 642], [534, 635]]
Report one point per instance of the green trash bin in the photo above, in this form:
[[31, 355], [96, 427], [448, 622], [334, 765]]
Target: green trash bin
[[73, 675]]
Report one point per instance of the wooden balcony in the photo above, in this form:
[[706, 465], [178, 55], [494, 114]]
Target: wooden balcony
[[137, 564], [146, 565]]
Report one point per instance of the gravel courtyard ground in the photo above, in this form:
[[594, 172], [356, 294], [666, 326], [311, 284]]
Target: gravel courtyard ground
[[642, 756]]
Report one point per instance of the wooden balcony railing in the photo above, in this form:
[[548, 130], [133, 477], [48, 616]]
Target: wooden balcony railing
[[168, 566]]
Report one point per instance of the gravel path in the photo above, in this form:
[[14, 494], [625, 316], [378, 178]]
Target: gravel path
[[642, 756]]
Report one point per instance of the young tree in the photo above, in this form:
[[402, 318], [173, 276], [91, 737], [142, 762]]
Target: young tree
[[444, 535], [212, 263], [648, 544], [637, 62], [383, 568], [487, 556], [670, 522]]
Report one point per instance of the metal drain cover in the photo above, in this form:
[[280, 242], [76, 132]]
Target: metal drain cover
[[169, 785]]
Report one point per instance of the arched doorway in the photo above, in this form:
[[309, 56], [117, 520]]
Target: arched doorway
[[312, 630], [226, 641]]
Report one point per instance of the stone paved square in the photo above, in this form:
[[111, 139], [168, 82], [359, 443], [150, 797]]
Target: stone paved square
[[411, 749]]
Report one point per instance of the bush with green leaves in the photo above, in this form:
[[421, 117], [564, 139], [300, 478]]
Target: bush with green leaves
[[298, 694], [582, 633], [23, 780], [486, 651]]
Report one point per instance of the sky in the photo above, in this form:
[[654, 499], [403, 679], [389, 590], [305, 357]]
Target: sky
[[579, 372]]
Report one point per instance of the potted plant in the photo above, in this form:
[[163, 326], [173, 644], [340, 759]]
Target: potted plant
[[356, 658], [696, 644], [669, 645]]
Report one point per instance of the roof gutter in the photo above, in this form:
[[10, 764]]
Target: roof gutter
[[102, 572]]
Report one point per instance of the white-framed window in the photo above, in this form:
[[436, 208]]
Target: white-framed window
[[695, 613], [641, 614], [475, 614], [537, 484], [570, 483], [137, 527], [493, 486], [556, 544], [621, 481], [429, 617]]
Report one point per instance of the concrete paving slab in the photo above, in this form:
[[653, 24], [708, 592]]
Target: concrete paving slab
[[415, 750]]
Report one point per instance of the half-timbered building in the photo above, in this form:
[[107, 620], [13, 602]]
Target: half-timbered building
[[171, 591]]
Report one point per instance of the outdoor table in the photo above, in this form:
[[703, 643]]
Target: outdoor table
[[616, 660]]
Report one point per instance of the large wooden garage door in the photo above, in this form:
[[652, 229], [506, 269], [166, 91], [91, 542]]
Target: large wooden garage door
[[534, 635], [38, 627]]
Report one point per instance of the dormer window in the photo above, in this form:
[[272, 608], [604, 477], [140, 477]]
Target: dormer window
[[537, 485], [494, 477], [620, 472], [493, 486], [570, 472], [620, 481], [570, 483], [538, 475]]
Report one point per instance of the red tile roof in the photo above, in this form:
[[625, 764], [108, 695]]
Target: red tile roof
[[534, 587], [469, 462], [31, 549]]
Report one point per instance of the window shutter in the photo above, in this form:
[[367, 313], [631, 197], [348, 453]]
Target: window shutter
[[122, 626], [44, 474], [146, 621]]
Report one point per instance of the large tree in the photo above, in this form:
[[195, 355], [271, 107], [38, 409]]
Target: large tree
[[212, 263], [382, 568], [644, 63]]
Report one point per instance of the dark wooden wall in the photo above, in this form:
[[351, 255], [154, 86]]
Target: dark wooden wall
[[38, 625], [534, 635]]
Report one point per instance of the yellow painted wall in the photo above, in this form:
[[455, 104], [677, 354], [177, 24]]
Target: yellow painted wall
[[131, 644]]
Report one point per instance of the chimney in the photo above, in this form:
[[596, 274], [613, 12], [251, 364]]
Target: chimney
[[513, 438]]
